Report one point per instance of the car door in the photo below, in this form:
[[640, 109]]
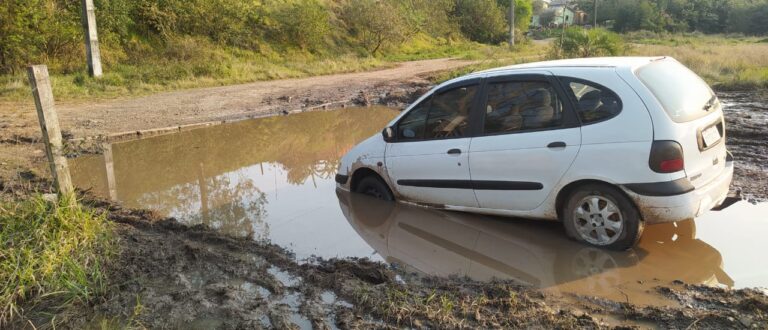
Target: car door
[[428, 159], [529, 138]]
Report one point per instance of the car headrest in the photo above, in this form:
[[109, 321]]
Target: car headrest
[[541, 97]]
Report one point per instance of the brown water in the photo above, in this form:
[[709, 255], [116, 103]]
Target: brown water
[[272, 179], [719, 249]]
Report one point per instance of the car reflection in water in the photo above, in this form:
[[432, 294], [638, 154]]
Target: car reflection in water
[[443, 243]]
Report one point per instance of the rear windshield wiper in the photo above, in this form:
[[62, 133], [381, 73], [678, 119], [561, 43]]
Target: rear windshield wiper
[[710, 103]]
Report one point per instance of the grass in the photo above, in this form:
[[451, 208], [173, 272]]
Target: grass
[[494, 305], [189, 62], [159, 75], [726, 63], [495, 58], [53, 256]]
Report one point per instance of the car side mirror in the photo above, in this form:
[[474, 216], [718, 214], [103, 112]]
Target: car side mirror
[[388, 134]]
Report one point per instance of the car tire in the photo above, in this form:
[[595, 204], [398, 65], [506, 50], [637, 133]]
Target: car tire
[[374, 187], [600, 215]]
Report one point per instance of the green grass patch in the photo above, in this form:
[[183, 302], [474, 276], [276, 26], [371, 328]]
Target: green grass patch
[[193, 62], [53, 255], [725, 62], [422, 47], [496, 56], [484, 65], [159, 74]]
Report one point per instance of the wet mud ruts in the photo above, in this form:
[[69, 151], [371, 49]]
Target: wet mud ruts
[[193, 277], [746, 116]]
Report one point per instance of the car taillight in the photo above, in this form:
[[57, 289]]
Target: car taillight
[[666, 157]]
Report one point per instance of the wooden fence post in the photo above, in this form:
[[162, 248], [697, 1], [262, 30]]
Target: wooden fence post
[[91, 38], [49, 125]]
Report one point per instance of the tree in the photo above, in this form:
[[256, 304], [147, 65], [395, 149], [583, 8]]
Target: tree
[[749, 18], [635, 15], [523, 13]]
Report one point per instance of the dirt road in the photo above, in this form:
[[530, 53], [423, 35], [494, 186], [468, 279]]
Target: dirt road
[[20, 133], [234, 102]]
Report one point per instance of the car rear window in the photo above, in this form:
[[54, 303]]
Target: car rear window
[[683, 94]]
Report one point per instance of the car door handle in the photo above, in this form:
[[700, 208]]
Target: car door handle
[[454, 152], [558, 144]]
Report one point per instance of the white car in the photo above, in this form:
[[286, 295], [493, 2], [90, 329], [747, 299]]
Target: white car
[[604, 145]]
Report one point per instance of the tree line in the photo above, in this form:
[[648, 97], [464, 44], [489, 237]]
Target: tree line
[[136, 31], [749, 17], [49, 30]]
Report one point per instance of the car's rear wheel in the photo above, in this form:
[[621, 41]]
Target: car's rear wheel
[[602, 216], [374, 187]]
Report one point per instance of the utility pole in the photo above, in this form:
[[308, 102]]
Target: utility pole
[[91, 38], [562, 34], [511, 23], [594, 16]]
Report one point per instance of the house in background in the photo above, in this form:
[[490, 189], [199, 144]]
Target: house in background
[[555, 13]]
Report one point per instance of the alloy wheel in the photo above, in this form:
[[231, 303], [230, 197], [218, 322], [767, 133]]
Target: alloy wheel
[[598, 220]]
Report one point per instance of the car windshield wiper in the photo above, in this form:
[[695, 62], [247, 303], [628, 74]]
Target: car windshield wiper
[[710, 103]]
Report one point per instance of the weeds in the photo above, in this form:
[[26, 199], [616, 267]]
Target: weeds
[[53, 255], [494, 58], [725, 63]]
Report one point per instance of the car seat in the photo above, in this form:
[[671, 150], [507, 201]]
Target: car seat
[[538, 112]]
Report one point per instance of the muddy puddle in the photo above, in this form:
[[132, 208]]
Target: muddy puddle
[[717, 249], [272, 179], [269, 179]]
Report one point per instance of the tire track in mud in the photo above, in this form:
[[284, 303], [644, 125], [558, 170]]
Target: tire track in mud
[[746, 116], [194, 277]]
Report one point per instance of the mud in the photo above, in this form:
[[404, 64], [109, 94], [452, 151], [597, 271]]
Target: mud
[[406, 266], [175, 276], [746, 115], [223, 247]]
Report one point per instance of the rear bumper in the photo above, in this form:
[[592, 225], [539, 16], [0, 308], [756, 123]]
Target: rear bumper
[[679, 200]]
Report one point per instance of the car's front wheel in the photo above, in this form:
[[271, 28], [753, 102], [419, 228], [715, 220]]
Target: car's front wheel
[[602, 216], [374, 187]]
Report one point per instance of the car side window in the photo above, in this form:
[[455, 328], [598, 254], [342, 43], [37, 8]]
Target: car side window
[[594, 103], [411, 126], [518, 106], [443, 115], [449, 113]]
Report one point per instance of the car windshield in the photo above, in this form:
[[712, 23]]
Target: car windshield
[[683, 94]]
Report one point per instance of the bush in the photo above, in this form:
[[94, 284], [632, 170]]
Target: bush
[[304, 24], [373, 24], [51, 252], [33, 30], [481, 20], [578, 42]]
